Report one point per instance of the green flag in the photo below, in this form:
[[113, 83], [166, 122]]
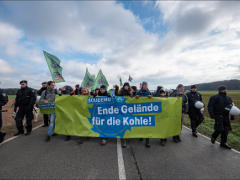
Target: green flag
[[100, 80], [121, 84], [54, 67], [88, 80]]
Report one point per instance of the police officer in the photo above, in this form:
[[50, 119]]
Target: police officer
[[25, 100], [217, 111], [39, 92], [3, 101], [195, 114]]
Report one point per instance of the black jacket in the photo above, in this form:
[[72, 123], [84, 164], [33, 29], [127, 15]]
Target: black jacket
[[192, 98], [3, 98], [25, 97], [77, 91], [104, 94], [216, 109], [39, 92], [122, 92], [217, 105]]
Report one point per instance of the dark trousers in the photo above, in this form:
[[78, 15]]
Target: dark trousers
[[196, 120], [19, 119], [224, 135], [46, 119], [0, 119]]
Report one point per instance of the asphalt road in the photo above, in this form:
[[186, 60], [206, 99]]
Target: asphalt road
[[194, 158]]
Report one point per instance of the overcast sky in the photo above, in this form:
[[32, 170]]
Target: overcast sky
[[163, 42]]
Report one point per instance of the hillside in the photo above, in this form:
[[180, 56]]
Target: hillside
[[233, 84]]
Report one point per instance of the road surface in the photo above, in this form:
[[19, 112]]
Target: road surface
[[194, 158]]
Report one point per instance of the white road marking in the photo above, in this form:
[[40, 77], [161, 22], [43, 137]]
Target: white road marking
[[121, 167], [14, 137], [234, 150]]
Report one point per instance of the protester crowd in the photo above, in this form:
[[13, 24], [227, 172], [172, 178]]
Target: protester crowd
[[219, 107]]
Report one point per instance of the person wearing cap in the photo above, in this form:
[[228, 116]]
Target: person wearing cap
[[24, 102], [124, 91], [195, 115], [103, 92], [161, 93], [39, 93], [217, 109], [144, 92], [179, 92], [3, 102]]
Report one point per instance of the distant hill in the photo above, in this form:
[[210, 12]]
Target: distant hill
[[232, 84]]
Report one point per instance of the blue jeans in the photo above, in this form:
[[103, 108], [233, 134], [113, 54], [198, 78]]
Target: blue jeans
[[52, 124]]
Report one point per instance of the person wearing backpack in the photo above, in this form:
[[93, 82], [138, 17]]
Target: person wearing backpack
[[3, 102]]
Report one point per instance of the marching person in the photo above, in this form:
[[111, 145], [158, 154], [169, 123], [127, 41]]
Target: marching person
[[85, 92], [103, 92], [39, 92], [144, 91], [77, 90], [217, 111], [48, 96], [24, 102], [195, 115], [179, 92], [96, 92], [124, 91], [134, 90], [161, 93], [3, 102]]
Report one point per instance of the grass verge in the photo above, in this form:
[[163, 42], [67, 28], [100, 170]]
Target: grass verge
[[206, 128]]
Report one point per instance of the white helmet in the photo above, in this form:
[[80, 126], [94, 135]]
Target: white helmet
[[199, 104], [202, 110], [234, 111], [38, 99]]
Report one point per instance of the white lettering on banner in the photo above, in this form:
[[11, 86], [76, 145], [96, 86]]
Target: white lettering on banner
[[125, 109], [137, 121], [106, 111], [138, 108], [97, 121]]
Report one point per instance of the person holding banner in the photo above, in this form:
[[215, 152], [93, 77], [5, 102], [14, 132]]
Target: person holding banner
[[161, 93], [179, 92], [144, 91], [124, 91], [96, 92], [77, 90], [103, 92], [48, 97]]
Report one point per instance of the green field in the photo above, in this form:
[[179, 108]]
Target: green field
[[206, 127], [11, 96], [235, 95]]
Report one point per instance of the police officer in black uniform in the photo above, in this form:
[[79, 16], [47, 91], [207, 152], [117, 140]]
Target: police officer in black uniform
[[39, 92], [25, 101], [195, 114], [3, 101], [217, 111]]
